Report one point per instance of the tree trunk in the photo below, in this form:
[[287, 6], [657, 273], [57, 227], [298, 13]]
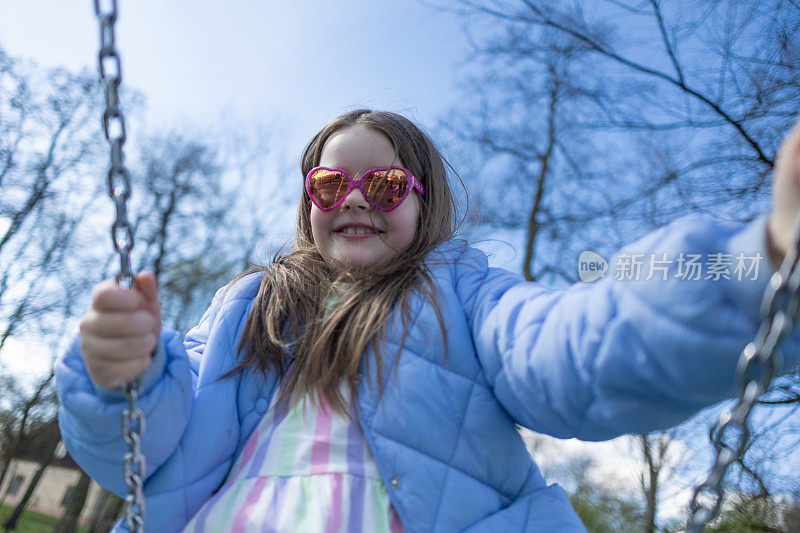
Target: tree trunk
[[11, 523], [77, 500], [12, 471], [546, 163], [97, 512], [649, 484], [112, 511], [6, 467]]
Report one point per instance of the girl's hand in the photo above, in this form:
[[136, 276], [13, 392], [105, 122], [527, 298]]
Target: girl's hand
[[785, 197], [120, 331]]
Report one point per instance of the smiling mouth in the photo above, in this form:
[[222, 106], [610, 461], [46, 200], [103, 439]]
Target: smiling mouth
[[350, 230]]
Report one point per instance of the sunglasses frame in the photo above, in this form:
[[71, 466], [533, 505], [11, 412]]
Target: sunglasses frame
[[413, 183]]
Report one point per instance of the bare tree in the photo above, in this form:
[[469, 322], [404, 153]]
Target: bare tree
[[527, 146], [48, 138], [186, 232], [662, 455], [62, 118], [662, 109]]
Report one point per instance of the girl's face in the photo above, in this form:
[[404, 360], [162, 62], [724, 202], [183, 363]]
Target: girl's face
[[356, 234]]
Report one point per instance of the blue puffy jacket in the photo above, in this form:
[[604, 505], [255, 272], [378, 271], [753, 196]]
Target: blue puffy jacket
[[593, 361]]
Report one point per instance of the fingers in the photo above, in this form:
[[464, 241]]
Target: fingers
[[110, 376], [119, 350], [108, 296], [110, 324], [148, 288], [112, 362]]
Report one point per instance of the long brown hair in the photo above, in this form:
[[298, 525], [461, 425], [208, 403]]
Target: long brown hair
[[287, 329]]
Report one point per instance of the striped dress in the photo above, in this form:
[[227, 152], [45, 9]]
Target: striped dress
[[307, 470]]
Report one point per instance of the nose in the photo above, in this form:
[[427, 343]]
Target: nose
[[355, 200]]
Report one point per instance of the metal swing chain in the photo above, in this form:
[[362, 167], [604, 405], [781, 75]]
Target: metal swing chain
[[757, 365], [122, 237]]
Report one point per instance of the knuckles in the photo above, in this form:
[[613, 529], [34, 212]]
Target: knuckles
[[109, 295], [103, 289], [110, 374], [125, 352]]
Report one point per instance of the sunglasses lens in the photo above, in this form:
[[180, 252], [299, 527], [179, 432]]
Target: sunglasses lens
[[326, 187], [386, 188]]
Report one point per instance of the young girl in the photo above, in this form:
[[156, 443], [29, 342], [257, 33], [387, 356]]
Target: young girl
[[371, 379]]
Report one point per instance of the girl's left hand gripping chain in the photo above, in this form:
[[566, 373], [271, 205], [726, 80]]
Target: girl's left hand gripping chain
[[120, 330]]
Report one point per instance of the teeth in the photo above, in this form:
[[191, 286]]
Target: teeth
[[356, 231]]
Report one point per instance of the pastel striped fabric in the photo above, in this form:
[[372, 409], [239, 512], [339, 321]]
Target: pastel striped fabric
[[307, 470]]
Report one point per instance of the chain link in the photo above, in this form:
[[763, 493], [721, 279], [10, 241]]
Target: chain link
[[133, 424], [758, 363], [134, 462]]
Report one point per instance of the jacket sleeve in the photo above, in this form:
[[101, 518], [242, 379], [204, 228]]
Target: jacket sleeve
[[90, 417], [615, 356]]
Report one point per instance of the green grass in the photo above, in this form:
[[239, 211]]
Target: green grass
[[31, 522]]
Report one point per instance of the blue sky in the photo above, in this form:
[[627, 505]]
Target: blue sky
[[304, 62], [256, 65]]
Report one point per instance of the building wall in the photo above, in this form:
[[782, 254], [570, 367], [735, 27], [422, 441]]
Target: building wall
[[52, 488]]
